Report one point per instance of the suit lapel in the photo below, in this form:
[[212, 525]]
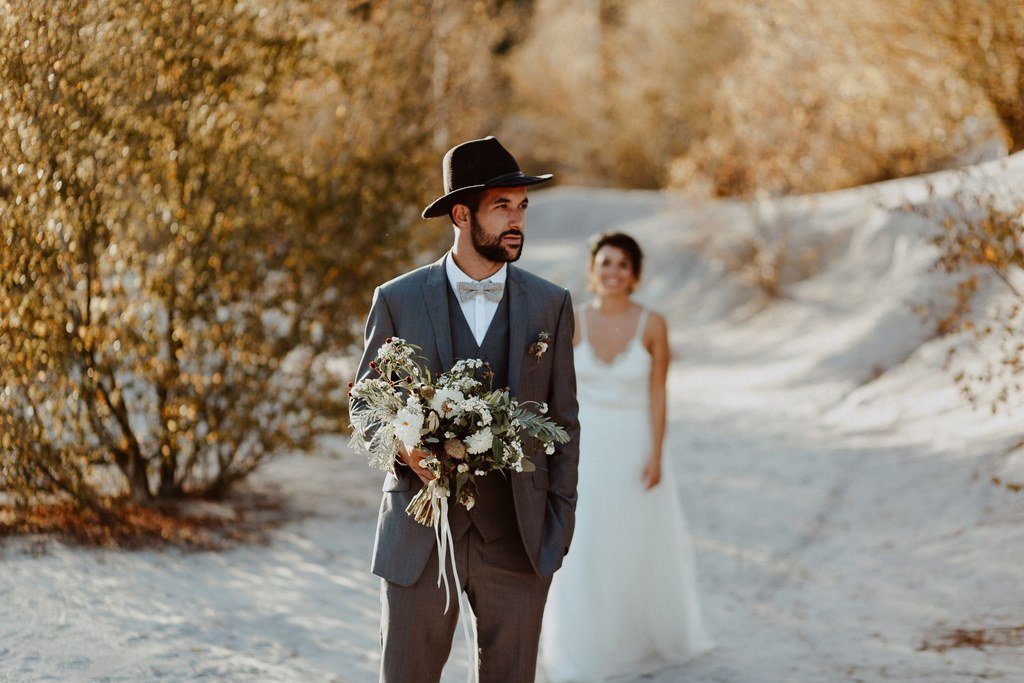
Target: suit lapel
[[518, 316], [436, 299]]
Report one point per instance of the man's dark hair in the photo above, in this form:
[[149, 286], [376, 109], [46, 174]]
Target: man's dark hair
[[470, 199], [619, 240]]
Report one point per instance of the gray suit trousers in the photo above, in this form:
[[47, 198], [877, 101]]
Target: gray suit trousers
[[507, 598]]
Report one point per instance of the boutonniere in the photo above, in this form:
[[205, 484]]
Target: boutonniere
[[540, 347]]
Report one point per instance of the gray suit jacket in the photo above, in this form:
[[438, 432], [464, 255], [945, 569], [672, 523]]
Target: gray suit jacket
[[415, 308]]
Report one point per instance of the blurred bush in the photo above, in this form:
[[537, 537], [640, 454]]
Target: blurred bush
[[738, 98], [197, 199]]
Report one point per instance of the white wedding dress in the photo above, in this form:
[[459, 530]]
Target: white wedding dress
[[625, 602]]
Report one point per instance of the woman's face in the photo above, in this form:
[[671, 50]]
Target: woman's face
[[612, 272]]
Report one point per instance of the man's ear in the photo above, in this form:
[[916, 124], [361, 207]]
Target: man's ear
[[461, 216]]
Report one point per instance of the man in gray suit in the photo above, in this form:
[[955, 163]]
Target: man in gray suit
[[472, 303]]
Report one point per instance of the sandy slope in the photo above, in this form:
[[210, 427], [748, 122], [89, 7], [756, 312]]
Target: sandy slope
[[840, 519]]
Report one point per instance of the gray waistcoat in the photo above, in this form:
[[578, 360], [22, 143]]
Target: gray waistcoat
[[493, 515]]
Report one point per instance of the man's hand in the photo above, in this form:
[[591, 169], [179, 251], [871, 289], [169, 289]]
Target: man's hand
[[412, 459]]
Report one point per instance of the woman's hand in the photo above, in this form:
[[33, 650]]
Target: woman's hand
[[652, 472]]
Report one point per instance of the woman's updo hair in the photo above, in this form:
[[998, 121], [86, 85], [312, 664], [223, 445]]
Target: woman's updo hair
[[619, 240]]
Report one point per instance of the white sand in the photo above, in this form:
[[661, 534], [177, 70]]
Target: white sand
[[840, 520]]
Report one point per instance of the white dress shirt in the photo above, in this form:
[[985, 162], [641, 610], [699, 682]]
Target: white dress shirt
[[479, 310]]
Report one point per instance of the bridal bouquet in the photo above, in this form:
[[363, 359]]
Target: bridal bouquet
[[467, 429]]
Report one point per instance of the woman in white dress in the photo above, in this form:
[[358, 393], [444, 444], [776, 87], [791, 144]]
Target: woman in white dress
[[625, 601]]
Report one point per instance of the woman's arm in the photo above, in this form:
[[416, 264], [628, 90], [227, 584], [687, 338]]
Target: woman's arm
[[656, 340]]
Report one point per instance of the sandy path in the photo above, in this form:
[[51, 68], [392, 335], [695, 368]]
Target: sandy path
[[816, 562]]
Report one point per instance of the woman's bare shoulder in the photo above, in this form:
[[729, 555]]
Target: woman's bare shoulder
[[655, 328], [656, 320]]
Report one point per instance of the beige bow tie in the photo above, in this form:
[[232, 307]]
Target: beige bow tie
[[491, 290]]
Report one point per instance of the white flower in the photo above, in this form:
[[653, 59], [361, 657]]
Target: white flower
[[549, 448], [449, 435], [475, 404], [466, 366], [514, 452], [446, 400], [479, 442], [395, 351], [366, 388], [466, 384], [463, 467], [479, 473], [408, 424], [433, 421], [543, 408], [540, 347]]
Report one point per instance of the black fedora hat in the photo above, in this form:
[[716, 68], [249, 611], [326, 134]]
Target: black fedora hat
[[477, 165]]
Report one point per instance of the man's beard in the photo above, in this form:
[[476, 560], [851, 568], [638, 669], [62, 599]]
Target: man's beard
[[492, 249]]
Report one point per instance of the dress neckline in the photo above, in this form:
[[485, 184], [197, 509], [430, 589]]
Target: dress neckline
[[615, 359], [637, 335]]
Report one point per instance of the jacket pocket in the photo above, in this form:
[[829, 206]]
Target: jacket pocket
[[393, 483], [540, 479]]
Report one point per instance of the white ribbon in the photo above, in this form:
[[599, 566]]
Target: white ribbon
[[446, 551]]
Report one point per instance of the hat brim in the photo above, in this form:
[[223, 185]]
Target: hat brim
[[442, 205]]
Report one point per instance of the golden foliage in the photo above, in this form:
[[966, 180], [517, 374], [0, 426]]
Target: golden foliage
[[196, 197]]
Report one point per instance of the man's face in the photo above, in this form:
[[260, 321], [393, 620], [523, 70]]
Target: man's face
[[496, 229]]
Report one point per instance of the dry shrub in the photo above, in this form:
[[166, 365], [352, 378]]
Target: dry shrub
[[976, 638], [981, 245], [143, 526], [762, 248], [773, 259], [197, 199], [129, 526]]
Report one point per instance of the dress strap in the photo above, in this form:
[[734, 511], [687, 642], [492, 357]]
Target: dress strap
[[641, 323]]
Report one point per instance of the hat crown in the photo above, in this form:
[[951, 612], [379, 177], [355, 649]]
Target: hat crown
[[477, 165], [476, 162]]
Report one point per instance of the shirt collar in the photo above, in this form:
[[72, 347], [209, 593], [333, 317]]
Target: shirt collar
[[455, 274]]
